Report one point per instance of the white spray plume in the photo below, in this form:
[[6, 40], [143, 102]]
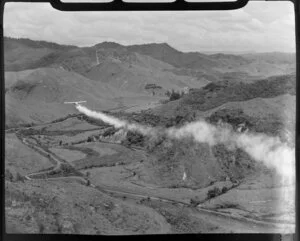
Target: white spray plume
[[269, 150], [144, 130]]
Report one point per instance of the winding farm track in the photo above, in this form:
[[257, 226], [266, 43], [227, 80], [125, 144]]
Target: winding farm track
[[236, 224], [41, 151]]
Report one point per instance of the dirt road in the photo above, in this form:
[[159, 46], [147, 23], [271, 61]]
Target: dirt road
[[236, 224]]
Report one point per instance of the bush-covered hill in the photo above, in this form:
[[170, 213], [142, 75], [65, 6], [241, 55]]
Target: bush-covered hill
[[203, 165], [219, 93], [216, 94]]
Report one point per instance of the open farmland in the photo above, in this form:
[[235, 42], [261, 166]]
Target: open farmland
[[128, 175]]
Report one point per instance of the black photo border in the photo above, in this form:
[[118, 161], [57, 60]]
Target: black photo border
[[119, 5]]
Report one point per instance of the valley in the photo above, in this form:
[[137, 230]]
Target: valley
[[68, 172], [119, 174]]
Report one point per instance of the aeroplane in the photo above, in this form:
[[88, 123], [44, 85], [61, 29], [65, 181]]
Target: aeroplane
[[75, 102]]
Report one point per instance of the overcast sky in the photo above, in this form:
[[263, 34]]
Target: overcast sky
[[259, 26]]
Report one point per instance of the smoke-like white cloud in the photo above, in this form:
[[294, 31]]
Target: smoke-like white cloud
[[144, 130], [262, 148]]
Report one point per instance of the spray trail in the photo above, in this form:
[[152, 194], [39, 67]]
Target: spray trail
[[144, 130], [269, 150]]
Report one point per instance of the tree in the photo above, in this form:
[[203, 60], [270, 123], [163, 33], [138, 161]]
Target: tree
[[174, 95], [224, 189], [195, 201], [213, 193]]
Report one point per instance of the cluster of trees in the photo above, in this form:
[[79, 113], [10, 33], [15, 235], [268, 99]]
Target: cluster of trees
[[109, 132], [133, 138], [174, 95], [152, 86], [213, 87], [65, 118], [233, 117], [195, 201], [271, 125], [216, 192], [203, 99]]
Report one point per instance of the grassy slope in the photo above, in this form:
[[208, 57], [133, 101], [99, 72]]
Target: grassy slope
[[20, 158], [39, 96], [135, 74], [66, 206]]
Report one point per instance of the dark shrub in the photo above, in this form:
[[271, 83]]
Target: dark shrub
[[174, 96], [194, 202], [213, 193], [152, 86], [134, 138], [224, 189], [109, 132], [212, 87]]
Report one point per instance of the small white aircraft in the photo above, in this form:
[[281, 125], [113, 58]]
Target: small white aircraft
[[75, 102]]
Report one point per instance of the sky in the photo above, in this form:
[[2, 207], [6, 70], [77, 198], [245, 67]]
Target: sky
[[258, 27]]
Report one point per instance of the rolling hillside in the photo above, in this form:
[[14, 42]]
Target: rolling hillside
[[39, 95], [219, 93], [109, 75], [140, 71], [20, 54], [273, 63], [266, 105], [36, 54]]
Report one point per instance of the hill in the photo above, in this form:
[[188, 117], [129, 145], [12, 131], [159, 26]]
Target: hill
[[111, 63], [218, 93], [166, 53], [265, 64], [202, 165], [265, 106], [9, 43], [138, 72], [20, 53], [273, 57], [38, 96]]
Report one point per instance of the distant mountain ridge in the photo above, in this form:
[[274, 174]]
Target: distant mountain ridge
[[36, 43], [220, 62]]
